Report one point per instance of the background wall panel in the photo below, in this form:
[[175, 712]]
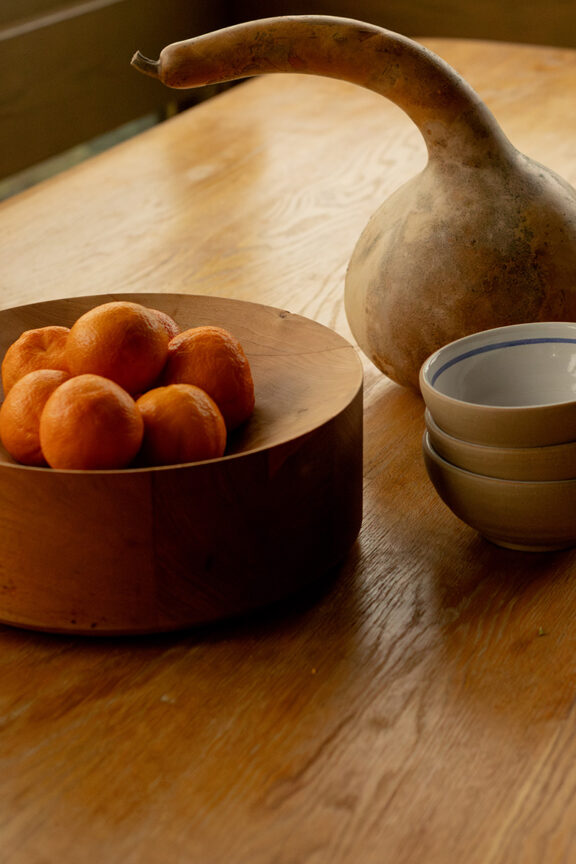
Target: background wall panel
[[66, 74], [534, 21]]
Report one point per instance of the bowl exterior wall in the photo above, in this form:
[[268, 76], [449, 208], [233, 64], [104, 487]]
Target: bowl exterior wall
[[530, 516], [494, 426], [152, 551], [555, 462]]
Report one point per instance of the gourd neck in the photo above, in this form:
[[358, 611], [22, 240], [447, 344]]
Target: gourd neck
[[451, 117]]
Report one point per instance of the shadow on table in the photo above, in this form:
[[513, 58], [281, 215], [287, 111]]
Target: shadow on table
[[282, 614]]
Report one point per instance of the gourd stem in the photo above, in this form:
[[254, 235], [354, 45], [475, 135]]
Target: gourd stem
[[145, 65], [452, 118]]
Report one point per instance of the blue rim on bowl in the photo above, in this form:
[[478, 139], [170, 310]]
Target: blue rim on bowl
[[511, 386], [499, 346]]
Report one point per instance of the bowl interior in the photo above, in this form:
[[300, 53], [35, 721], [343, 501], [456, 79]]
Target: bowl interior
[[521, 365], [303, 372]]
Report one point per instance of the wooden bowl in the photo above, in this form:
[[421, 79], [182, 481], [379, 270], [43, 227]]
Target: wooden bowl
[[146, 550]]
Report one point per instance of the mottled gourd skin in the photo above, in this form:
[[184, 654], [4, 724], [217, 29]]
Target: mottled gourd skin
[[483, 237], [455, 251]]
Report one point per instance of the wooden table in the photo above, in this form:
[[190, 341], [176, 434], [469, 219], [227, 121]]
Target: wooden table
[[421, 706]]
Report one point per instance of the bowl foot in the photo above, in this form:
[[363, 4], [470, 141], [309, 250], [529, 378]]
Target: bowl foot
[[525, 547]]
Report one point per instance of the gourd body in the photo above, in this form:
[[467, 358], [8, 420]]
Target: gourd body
[[459, 249], [482, 237]]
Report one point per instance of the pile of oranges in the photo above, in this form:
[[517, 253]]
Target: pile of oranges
[[122, 386]]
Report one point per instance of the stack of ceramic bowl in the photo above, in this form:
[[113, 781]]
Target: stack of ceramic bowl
[[500, 439]]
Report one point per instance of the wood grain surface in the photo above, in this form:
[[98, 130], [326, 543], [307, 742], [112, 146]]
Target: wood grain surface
[[420, 706]]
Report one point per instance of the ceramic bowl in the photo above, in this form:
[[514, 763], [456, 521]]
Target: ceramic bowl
[[155, 549], [554, 462], [506, 387], [517, 514]]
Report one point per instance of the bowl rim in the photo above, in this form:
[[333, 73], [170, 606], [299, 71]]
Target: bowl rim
[[427, 382], [513, 452], [344, 344], [486, 478]]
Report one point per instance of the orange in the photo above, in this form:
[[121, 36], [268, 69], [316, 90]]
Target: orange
[[90, 422], [41, 348], [123, 341], [172, 328], [20, 414], [181, 424], [213, 359]]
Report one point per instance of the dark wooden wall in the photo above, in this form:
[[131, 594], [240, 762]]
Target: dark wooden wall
[[65, 72], [549, 22], [65, 75]]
